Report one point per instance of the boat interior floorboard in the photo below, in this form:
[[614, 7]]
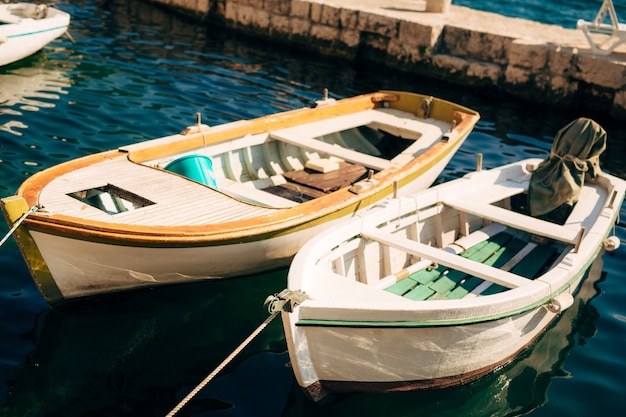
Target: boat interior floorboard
[[504, 250]]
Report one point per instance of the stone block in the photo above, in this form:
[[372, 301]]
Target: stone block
[[516, 75], [251, 16], [559, 61], [348, 19], [193, 6], [476, 45], [316, 12], [253, 3], [262, 19], [561, 86], [230, 12], [600, 72], [350, 38], [416, 34], [374, 23], [244, 14], [525, 55], [300, 27], [323, 32], [280, 24], [484, 71], [450, 63], [329, 15], [301, 9], [276, 7], [406, 52]]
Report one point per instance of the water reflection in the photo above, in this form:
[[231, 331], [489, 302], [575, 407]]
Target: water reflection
[[140, 353], [29, 87], [145, 351]]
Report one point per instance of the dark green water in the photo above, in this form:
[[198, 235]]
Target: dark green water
[[136, 73]]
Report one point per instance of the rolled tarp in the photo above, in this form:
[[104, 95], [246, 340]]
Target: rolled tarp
[[558, 179]]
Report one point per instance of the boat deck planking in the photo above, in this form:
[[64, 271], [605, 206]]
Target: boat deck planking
[[273, 160], [174, 207]]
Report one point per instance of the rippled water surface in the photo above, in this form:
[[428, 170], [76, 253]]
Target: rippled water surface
[[136, 72]]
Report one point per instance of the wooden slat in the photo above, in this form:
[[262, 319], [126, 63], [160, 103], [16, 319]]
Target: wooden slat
[[178, 200], [534, 262], [326, 148], [515, 220], [483, 253], [498, 259], [440, 256]]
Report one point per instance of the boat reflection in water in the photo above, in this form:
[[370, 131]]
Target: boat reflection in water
[[29, 87], [141, 354]]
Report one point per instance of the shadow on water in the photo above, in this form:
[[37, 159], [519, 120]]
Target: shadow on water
[[141, 353]]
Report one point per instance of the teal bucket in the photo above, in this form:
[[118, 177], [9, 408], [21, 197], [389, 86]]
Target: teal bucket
[[195, 167]]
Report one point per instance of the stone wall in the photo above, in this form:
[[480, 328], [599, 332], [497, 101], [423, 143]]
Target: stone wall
[[529, 60]]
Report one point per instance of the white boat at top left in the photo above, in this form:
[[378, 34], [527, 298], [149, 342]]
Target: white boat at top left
[[25, 28]]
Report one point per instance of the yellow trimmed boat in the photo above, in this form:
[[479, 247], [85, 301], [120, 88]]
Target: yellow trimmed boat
[[227, 200]]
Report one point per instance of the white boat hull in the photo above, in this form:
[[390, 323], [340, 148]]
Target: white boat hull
[[27, 36], [345, 359], [84, 268]]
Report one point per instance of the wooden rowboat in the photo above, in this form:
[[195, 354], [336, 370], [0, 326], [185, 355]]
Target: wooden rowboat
[[25, 28], [227, 200], [441, 287]]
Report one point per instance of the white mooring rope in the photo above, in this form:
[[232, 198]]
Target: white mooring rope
[[222, 365], [17, 224]]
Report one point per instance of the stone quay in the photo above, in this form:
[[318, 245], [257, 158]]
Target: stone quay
[[528, 60]]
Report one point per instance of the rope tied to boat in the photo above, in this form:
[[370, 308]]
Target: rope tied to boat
[[17, 224], [222, 365], [284, 301]]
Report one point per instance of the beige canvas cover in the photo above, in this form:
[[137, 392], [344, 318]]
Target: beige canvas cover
[[558, 179]]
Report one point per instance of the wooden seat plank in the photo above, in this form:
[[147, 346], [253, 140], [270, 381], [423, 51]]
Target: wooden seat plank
[[420, 293], [422, 277], [515, 220], [373, 162]]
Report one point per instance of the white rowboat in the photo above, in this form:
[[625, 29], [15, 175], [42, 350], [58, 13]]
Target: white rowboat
[[440, 287], [25, 28]]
